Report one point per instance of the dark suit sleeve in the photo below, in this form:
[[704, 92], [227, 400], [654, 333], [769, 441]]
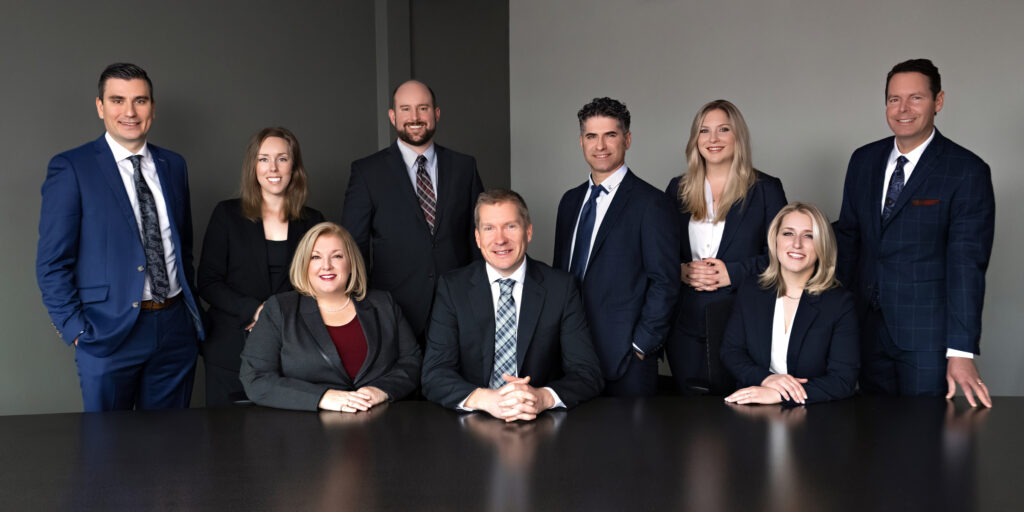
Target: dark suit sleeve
[[442, 382], [734, 352], [357, 212], [672, 193], [261, 373], [186, 233], [476, 189], [847, 228], [659, 238], [404, 376], [57, 252], [213, 270], [843, 363], [774, 199], [582, 371], [968, 249]]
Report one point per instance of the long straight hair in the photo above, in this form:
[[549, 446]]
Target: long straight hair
[[252, 193], [741, 174]]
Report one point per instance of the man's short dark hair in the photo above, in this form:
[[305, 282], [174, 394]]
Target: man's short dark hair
[[501, 195], [605, 107], [433, 97], [923, 66], [124, 71]]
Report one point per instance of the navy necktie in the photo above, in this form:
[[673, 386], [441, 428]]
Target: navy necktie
[[152, 242], [895, 187], [504, 335], [425, 191], [584, 233]]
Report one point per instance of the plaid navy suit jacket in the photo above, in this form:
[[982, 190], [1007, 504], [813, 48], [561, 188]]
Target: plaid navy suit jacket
[[923, 267]]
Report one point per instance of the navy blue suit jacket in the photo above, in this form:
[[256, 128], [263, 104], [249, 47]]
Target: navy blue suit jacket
[[823, 341], [632, 279], [553, 344], [384, 216], [744, 247], [924, 267], [90, 264]]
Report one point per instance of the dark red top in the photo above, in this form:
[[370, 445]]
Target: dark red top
[[351, 345]]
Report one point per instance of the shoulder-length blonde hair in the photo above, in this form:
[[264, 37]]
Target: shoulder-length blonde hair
[[824, 276], [299, 272], [252, 194], [741, 174]]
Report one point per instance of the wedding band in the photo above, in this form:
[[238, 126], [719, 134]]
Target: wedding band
[[980, 382]]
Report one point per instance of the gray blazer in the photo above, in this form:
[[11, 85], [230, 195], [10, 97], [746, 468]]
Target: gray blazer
[[289, 360]]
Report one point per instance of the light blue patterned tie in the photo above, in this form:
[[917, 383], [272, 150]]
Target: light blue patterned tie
[[152, 242], [895, 187], [504, 335]]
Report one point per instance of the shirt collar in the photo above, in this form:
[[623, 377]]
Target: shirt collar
[[409, 155], [519, 275], [914, 155], [611, 182], [120, 152]]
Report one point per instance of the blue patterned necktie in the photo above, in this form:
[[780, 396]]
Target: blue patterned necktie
[[152, 242], [504, 335], [584, 233], [425, 191], [895, 187]]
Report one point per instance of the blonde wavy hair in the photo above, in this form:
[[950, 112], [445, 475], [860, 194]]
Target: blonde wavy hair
[[824, 276], [299, 272]]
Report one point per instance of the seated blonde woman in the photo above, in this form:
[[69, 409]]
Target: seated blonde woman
[[331, 344], [792, 336]]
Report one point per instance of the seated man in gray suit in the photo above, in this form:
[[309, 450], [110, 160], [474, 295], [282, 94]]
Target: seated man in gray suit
[[508, 335]]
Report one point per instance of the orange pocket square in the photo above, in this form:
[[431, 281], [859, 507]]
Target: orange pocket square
[[924, 202]]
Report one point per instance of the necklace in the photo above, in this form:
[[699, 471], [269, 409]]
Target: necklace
[[794, 298], [343, 306]]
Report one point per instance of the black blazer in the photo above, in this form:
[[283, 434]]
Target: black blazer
[[632, 279], [823, 346], [289, 360], [744, 248], [234, 279], [552, 346], [384, 216]]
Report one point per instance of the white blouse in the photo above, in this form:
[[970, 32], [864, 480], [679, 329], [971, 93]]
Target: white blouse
[[705, 236], [780, 338]]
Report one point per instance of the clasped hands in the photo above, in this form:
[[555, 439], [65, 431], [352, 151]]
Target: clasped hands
[[706, 275], [773, 389], [361, 399], [517, 400]]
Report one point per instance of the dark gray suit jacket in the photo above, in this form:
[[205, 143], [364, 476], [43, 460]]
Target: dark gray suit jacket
[[289, 360], [553, 343]]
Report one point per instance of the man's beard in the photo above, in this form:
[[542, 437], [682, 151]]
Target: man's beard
[[416, 140]]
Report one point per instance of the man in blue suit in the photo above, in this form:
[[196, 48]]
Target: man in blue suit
[[618, 235], [114, 262], [915, 235]]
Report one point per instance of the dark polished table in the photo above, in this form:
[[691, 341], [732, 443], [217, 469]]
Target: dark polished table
[[667, 453]]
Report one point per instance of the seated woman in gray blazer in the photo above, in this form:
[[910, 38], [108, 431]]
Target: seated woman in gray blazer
[[793, 334], [331, 344]]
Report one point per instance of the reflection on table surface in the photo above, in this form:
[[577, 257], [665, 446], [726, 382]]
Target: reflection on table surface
[[671, 453]]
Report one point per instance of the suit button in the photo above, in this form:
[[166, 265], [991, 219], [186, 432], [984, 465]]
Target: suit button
[[135, 304], [141, 268]]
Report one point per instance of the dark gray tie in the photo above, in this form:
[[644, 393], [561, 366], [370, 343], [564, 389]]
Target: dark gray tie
[[895, 187], [425, 191], [152, 242], [504, 335]]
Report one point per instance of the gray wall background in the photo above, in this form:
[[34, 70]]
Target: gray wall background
[[809, 78], [222, 71]]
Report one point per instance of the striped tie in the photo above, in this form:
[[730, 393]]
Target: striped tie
[[425, 191], [504, 335]]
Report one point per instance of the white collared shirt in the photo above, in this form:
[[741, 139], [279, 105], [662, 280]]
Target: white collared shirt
[[148, 167], [611, 185], [705, 235], [409, 156]]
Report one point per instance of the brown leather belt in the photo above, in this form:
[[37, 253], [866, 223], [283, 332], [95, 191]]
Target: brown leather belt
[[152, 305]]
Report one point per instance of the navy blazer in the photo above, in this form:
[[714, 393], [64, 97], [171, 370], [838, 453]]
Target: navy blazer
[[823, 341], [90, 264], [289, 360], [553, 343], [632, 279], [744, 247], [234, 278], [383, 214], [924, 267]]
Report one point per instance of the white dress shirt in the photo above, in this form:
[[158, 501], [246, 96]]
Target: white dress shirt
[[780, 338], [410, 156], [913, 157], [127, 172], [705, 235], [611, 185]]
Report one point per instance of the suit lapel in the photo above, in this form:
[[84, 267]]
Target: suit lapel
[[614, 212], [877, 173], [401, 175], [258, 252], [108, 168], [575, 202], [445, 187], [733, 219], [529, 311], [315, 324], [370, 324], [925, 166], [806, 312], [765, 317], [482, 304]]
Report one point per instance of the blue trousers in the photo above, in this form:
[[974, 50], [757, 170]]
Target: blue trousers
[[886, 369]]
